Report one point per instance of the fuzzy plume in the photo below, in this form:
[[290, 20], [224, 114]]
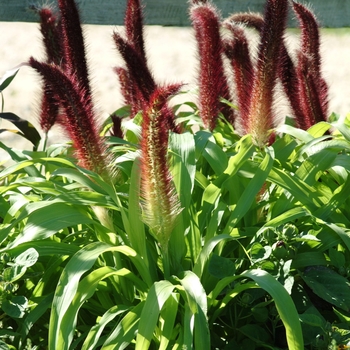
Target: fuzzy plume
[[313, 89], [212, 80], [73, 43], [68, 83], [237, 51], [133, 22], [259, 120], [131, 94], [161, 205], [286, 70], [138, 72], [78, 117], [251, 19], [50, 27], [137, 82]]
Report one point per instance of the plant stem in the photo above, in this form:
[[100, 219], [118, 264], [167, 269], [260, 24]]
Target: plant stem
[[166, 262]]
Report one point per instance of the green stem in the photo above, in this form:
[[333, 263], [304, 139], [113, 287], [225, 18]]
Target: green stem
[[46, 138], [44, 149], [166, 262]]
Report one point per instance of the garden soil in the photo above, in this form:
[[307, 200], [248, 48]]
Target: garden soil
[[172, 56]]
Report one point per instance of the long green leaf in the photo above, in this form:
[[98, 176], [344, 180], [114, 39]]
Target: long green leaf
[[284, 304], [43, 220], [336, 201], [214, 155], [48, 220], [125, 331], [183, 169], [84, 291], [136, 228], [156, 298], [183, 165], [250, 192], [315, 164], [206, 251], [198, 307], [307, 195], [44, 248], [68, 284], [94, 334], [213, 191], [288, 216], [7, 78], [168, 315], [28, 163]]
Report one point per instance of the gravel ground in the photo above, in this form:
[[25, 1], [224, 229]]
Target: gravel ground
[[171, 52]]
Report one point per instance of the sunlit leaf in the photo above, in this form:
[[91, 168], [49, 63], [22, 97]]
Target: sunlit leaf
[[7, 78], [27, 129]]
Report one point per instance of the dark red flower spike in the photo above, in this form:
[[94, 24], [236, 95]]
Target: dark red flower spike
[[133, 22], [212, 80], [260, 119], [78, 117], [138, 71], [313, 89], [50, 27], [237, 51], [73, 43]]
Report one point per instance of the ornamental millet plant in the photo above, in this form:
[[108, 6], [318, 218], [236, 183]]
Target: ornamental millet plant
[[136, 79], [256, 80], [258, 118], [212, 79], [302, 82], [160, 204], [50, 27], [67, 85], [256, 85], [313, 89]]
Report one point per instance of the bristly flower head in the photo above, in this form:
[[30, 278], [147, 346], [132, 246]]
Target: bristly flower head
[[140, 77], [286, 69], [137, 82], [237, 51], [212, 79], [68, 82], [251, 19], [73, 43], [313, 89], [160, 203], [260, 120], [50, 27], [78, 118], [133, 22], [136, 79]]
